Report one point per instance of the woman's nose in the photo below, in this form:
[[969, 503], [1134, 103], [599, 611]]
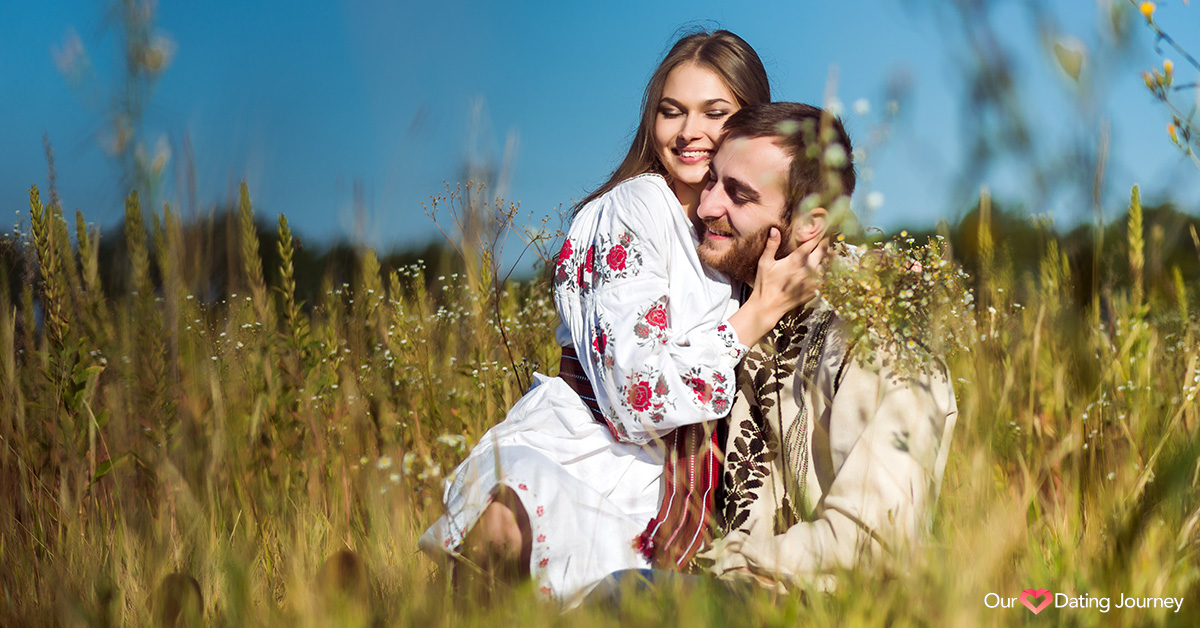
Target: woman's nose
[[691, 128]]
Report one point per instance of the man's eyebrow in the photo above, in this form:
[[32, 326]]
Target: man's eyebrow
[[666, 100], [737, 187]]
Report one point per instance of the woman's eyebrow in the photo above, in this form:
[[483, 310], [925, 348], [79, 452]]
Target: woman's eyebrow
[[667, 100]]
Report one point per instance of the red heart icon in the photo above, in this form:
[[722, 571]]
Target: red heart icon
[[1035, 593]]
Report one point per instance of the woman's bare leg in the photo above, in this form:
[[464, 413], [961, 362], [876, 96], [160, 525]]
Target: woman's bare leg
[[498, 547]]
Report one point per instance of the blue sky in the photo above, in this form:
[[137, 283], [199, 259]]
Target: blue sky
[[305, 99]]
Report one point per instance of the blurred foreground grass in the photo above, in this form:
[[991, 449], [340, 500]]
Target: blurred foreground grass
[[243, 439]]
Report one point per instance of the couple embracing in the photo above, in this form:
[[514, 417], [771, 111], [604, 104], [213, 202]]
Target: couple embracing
[[704, 392]]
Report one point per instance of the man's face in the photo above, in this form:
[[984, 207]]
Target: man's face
[[743, 200]]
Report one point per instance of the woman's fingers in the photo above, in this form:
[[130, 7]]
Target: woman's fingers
[[769, 249], [816, 259], [794, 279], [798, 258]]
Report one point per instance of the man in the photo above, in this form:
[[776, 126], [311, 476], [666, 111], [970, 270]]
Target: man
[[829, 461]]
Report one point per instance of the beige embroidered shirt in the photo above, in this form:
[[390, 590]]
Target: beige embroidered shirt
[[829, 462]]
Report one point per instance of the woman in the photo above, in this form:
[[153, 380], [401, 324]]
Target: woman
[[565, 486]]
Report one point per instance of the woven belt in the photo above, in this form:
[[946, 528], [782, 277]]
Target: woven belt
[[571, 371]]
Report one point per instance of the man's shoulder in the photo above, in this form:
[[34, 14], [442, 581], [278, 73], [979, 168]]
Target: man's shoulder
[[836, 355]]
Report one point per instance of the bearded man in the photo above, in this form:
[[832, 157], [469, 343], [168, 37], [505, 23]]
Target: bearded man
[[829, 462]]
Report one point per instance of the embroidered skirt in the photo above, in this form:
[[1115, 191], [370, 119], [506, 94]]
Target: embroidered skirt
[[588, 496]]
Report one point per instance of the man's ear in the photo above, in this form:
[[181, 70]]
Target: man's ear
[[812, 225]]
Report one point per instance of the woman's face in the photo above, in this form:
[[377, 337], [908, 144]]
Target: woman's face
[[687, 129]]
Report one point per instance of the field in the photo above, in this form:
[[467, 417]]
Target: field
[[178, 419]]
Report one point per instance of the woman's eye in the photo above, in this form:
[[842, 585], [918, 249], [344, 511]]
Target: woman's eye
[[717, 115], [669, 113]]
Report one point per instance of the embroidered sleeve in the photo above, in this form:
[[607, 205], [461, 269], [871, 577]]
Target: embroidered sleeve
[[653, 367]]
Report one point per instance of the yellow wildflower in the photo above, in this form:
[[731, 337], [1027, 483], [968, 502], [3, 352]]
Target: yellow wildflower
[[1171, 132], [1168, 67], [1147, 9]]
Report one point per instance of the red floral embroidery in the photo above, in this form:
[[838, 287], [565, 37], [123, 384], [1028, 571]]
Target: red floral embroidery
[[523, 487], [647, 395], [639, 396], [600, 342], [541, 510], [564, 252], [711, 388], [447, 543], [651, 325], [601, 357], [541, 538], [544, 590], [543, 562], [606, 257], [617, 429], [657, 316], [616, 257]]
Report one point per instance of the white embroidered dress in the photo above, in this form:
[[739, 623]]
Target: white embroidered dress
[[650, 325]]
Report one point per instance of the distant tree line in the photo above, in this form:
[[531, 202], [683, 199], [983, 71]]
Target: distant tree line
[[215, 273], [214, 268]]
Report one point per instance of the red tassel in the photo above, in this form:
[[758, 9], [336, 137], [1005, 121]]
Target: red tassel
[[644, 542]]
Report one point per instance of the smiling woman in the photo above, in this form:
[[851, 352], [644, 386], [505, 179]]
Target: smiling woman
[[728, 59], [694, 105]]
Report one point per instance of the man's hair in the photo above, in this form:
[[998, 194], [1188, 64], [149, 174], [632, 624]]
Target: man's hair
[[816, 142]]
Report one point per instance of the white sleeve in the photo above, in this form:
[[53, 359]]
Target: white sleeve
[[653, 365]]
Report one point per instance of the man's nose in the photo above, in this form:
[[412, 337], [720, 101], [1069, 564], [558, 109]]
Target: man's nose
[[710, 202]]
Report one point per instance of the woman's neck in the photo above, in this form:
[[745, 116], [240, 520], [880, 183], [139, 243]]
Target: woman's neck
[[689, 198]]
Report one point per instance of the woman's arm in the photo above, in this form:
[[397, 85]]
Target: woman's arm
[[658, 355]]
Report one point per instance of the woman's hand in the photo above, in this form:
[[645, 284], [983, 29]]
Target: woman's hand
[[783, 285], [780, 286]]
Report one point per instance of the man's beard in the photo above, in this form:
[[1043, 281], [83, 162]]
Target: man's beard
[[740, 262]]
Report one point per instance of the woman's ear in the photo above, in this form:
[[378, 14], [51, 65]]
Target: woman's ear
[[812, 225]]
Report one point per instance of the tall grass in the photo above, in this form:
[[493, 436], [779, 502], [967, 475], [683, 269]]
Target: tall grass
[[150, 429]]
